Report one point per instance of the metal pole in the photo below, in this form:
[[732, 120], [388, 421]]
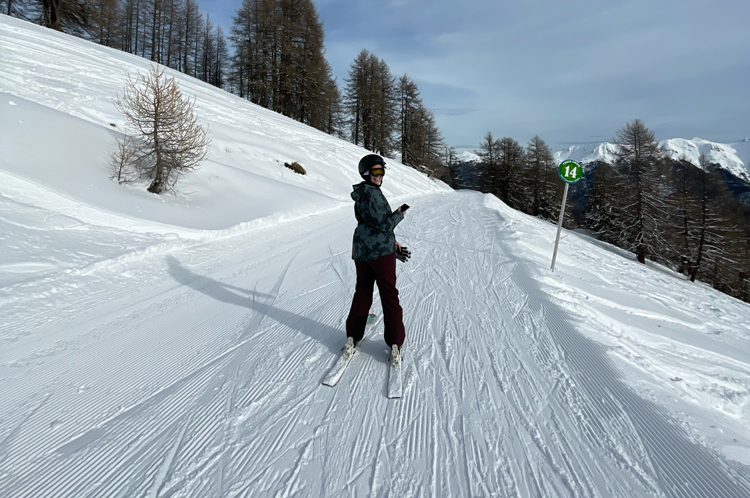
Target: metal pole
[[559, 225]]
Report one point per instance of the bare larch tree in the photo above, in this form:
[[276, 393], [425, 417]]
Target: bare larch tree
[[167, 140]]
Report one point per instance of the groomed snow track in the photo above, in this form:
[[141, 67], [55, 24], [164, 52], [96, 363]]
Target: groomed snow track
[[197, 373]]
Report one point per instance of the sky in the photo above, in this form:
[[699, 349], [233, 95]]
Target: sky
[[570, 72]]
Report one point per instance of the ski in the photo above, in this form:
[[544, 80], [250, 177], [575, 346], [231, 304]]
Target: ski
[[337, 370], [394, 378]]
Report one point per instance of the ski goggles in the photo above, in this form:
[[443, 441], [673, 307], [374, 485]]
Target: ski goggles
[[377, 172]]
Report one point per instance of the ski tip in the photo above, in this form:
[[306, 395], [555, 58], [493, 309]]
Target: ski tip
[[395, 386]]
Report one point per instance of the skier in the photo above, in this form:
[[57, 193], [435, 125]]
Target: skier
[[374, 251]]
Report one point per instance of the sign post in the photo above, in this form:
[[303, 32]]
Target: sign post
[[569, 172]]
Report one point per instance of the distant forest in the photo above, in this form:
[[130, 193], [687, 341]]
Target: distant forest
[[687, 217], [273, 57]]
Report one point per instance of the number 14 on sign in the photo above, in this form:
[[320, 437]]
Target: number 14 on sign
[[571, 174]]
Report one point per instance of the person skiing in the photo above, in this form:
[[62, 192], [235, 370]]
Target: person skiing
[[374, 251]]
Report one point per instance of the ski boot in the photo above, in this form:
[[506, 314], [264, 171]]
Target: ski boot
[[395, 355], [349, 348]]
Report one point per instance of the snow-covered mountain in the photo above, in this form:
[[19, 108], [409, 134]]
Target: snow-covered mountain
[[735, 157], [175, 345], [466, 156]]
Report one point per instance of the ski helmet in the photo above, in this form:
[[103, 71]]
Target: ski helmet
[[368, 162]]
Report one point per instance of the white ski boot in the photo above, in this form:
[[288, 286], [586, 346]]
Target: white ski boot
[[395, 355], [349, 349]]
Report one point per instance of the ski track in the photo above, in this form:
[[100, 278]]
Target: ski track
[[205, 381]]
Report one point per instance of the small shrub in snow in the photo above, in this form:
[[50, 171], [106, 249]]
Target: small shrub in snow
[[123, 160], [295, 166]]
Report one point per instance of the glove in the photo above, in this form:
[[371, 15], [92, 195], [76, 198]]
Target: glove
[[403, 255]]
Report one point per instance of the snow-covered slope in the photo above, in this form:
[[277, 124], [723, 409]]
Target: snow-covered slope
[[735, 158], [58, 127], [149, 352], [587, 153], [468, 157]]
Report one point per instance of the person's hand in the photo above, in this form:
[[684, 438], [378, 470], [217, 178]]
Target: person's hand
[[402, 253]]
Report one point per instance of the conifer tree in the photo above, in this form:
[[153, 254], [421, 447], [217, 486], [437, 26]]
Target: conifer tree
[[640, 159], [433, 146], [72, 16], [489, 153], [385, 116], [106, 22], [332, 112], [419, 139], [683, 179], [220, 60], [371, 101], [540, 163], [604, 215], [279, 61], [23, 9], [716, 243], [409, 102], [355, 95], [192, 20], [511, 160]]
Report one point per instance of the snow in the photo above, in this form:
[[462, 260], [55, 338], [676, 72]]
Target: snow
[[732, 157], [468, 157], [587, 153], [175, 345], [735, 158]]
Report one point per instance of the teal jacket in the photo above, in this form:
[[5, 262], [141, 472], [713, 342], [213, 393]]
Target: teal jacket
[[374, 235]]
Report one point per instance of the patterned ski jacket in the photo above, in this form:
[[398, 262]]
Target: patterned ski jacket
[[374, 235]]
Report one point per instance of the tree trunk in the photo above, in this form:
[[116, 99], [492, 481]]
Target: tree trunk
[[697, 265], [704, 207], [187, 39], [157, 186], [169, 40], [641, 253], [51, 10]]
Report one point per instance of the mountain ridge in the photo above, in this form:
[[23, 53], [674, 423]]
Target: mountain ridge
[[733, 157]]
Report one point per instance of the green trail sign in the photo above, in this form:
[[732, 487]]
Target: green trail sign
[[570, 171]]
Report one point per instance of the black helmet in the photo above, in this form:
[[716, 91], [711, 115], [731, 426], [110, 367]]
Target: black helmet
[[368, 162]]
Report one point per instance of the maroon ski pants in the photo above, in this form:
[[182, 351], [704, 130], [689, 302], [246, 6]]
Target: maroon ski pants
[[382, 271]]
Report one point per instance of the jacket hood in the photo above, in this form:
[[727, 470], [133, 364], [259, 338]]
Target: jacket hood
[[360, 189]]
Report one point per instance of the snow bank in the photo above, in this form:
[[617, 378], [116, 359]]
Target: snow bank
[[684, 346]]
